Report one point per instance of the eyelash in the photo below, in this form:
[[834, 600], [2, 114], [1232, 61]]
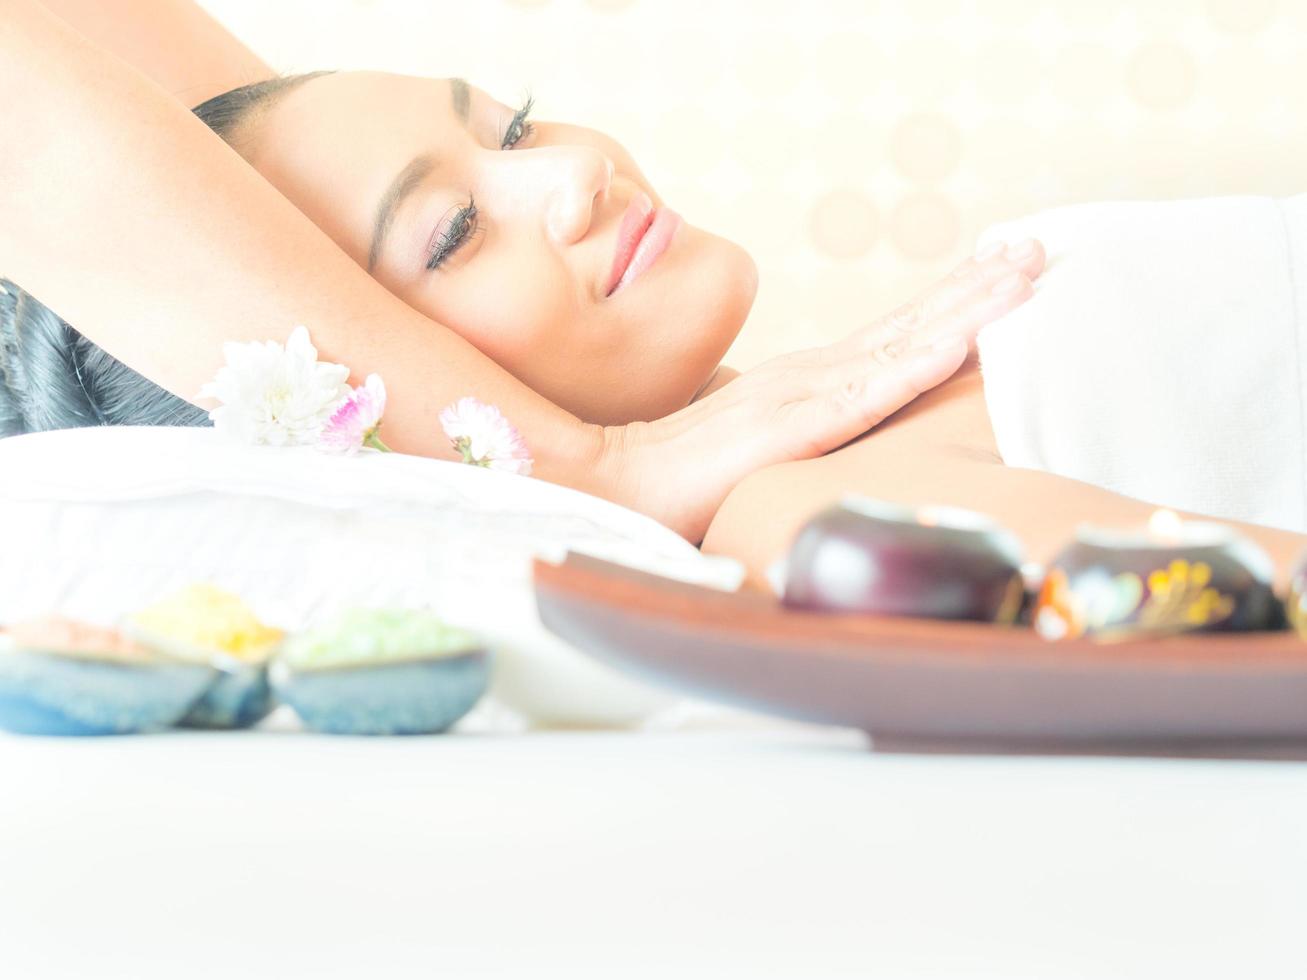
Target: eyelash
[[460, 229], [518, 128], [464, 222]]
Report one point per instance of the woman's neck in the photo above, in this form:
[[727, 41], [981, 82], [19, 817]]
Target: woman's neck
[[720, 377]]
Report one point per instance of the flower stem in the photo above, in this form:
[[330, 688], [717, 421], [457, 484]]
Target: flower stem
[[374, 440]]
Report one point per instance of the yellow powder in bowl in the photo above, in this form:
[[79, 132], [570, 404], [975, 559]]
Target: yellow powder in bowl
[[206, 618]]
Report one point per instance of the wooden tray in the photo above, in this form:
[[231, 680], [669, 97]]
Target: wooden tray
[[905, 681]]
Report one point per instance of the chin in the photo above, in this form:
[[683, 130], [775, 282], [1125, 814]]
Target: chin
[[730, 285], [721, 292], [747, 283]]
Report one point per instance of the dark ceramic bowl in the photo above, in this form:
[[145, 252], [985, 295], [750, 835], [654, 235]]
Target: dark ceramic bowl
[[1112, 586], [866, 556], [51, 691], [927, 685]]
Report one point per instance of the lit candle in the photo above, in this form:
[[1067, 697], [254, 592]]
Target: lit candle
[[1296, 604], [868, 556], [1172, 576]]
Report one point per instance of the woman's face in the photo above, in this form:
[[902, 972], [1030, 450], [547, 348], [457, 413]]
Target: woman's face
[[390, 167]]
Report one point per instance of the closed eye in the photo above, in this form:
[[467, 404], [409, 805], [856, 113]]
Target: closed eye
[[518, 128], [452, 234], [463, 224]]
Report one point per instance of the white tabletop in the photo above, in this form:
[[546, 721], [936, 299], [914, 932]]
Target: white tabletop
[[764, 852]]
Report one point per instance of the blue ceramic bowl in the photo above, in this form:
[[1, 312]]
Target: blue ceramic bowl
[[239, 696], [403, 697], [46, 692]]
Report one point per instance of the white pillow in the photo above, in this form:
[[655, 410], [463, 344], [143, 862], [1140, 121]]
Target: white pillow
[[100, 521]]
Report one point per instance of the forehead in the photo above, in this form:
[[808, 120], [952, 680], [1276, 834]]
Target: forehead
[[333, 144], [359, 104]]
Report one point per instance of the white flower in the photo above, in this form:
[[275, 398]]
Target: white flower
[[274, 395], [483, 437]]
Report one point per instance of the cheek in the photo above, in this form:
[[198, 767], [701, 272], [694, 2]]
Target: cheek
[[511, 307], [694, 323], [708, 292]]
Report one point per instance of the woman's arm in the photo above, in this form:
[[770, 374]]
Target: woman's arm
[[939, 450], [129, 218], [174, 42]]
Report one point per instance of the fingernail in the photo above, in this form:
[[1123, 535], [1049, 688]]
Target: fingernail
[[1008, 284], [948, 343], [1022, 249], [989, 251]]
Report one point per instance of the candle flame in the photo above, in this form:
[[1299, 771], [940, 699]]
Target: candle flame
[[1166, 526]]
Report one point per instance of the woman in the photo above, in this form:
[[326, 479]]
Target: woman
[[125, 214], [505, 230]]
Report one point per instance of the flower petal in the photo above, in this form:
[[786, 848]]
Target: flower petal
[[485, 437], [275, 394]]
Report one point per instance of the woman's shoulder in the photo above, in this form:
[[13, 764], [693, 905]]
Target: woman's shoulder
[[952, 417], [894, 460]]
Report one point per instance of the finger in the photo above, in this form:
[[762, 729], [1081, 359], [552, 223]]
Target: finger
[[969, 319], [1029, 257], [975, 277], [831, 417], [830, 374]]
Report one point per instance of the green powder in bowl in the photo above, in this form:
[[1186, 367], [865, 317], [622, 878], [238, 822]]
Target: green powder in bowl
[[363, 637]]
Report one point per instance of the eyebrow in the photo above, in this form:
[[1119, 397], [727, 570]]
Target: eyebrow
[[401, 187], [411, 177], [459, 95]]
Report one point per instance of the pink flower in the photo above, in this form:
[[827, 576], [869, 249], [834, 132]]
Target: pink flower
[[355, 421], [483, 437]]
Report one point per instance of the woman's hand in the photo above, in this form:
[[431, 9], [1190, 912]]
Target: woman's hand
[[680, 468], [979, 291]]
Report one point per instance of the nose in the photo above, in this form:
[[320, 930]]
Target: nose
[[580, 176], [558, 185]]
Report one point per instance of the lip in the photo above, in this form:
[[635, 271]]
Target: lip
[[644, 235]]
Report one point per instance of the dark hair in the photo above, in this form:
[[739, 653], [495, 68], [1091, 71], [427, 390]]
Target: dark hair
[[51, 377], [225, 114]]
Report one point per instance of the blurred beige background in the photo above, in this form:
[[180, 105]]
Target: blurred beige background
[[858, 147]]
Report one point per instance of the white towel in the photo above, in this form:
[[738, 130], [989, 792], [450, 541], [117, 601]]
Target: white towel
[[1163, 355]]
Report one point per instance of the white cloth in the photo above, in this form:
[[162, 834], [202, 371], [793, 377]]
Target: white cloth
[[749, 854], [1163, 355]]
